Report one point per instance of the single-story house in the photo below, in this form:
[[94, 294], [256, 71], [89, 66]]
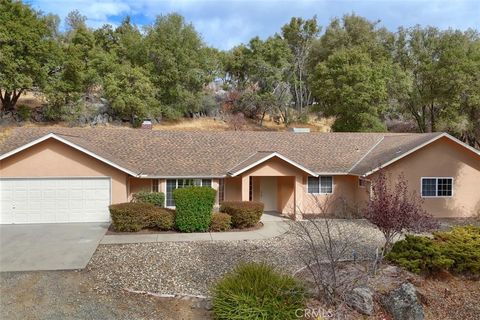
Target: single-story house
[[50, 175]]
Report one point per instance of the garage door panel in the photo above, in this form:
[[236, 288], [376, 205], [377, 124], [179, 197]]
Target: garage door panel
[[53, 200]]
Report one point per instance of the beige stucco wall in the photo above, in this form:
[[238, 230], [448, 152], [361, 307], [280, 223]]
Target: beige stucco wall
[[233, 189], [443, 158], [52, 158], [137, 185]]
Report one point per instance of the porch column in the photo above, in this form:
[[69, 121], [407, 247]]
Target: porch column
[[245, 188], [298, 197]]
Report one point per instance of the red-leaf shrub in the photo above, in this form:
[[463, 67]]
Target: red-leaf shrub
[[394, 210]]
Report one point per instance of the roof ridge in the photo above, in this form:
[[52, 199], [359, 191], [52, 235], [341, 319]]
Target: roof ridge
[[366, 154]]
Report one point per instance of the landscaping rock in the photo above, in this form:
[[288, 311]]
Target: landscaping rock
[[361, 299], [403, 303]]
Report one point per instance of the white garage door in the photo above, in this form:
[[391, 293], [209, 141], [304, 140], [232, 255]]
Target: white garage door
[[45, 200]]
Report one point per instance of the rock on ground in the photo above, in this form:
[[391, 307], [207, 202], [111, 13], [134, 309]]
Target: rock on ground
[[403, 303], [361, 299]]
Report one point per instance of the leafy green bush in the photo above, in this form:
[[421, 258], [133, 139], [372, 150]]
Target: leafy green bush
[[193, 208], [245, 214], [462, 245], [161, 218], [24, 112], [256, 291], [418, 254], [134, 216], [457, 250], [155, 198], [220, 222]]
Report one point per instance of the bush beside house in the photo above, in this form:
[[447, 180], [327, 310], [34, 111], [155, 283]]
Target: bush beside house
[[155, 198], [257, 291], [194, 207], [245, 214], [221, 222], [134, 216], [457, 251]]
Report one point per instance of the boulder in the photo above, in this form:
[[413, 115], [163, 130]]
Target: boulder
[[361, 299], [403, 303]]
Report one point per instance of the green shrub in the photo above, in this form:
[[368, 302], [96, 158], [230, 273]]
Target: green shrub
[[457, 250], [256, 291], [193, 208], [418, 254], [462, 245], [245, 214], [161, 218], [221, 222], [134, 216], [155, 198], [24, 112]]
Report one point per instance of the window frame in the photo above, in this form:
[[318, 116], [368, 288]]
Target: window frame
[[155, 185], [436, 187], [183, 180], [320, 185]]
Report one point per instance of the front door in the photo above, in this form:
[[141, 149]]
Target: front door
[[268, 193]]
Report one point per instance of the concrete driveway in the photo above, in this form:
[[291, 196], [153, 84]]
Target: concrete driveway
[[59, 246]]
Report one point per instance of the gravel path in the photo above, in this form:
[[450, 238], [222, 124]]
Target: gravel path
[[192, 267]]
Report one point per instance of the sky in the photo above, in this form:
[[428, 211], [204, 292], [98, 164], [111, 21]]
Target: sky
[[224, 24]]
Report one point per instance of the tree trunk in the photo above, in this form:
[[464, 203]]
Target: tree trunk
[[433, 126], [9, 99]]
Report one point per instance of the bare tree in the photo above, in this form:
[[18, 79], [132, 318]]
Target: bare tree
[[329, 242]]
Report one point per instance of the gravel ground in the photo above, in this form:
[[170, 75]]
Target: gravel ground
[[192, 267], [69, 295]]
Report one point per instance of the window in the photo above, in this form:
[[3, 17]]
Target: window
[[437, 187], [173, 184], [221, 190], [323, 185], [155, 185]]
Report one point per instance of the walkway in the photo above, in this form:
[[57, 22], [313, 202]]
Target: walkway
[[273, 226]]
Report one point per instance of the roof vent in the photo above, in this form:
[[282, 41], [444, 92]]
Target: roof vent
[[147, 124], [300, 130]]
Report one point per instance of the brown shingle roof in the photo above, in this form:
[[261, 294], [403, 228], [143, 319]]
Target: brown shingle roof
[[202, 153]]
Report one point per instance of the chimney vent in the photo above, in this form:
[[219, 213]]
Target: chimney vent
[[147, 124], [300, 130]]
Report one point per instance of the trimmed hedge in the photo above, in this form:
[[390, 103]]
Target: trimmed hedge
[[155, 198], [245, 214], [257, 291], [194, 208], [134, 216], [457, 250], [162, 218], [220, 222]]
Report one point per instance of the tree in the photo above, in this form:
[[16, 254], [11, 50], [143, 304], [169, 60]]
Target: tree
[[300, 35], [394, 210], [26, 50], [177, 62], [353, 88], [131, 94]]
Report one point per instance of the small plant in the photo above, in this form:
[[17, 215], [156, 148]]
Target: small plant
[[221, 222], [257, 291], [155, 198], [194, 208], [162, 219], [457, 251], [24, 112], [419, 255], [135, 216], [245, 214]]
